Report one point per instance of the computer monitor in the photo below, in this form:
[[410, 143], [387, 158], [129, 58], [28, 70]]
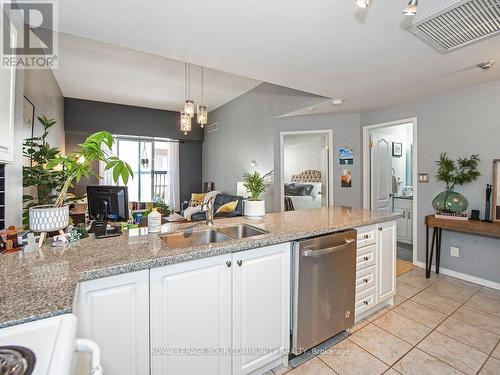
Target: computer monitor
[[107, 203]]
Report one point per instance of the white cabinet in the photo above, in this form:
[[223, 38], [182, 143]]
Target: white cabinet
[[404, 224], [114, 312], [191, 312], [375, 267], [386, 261], [261, 307]]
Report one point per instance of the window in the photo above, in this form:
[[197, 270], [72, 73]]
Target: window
[[159, 177]]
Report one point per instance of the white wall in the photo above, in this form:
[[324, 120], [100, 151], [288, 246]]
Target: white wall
[[302, 152]]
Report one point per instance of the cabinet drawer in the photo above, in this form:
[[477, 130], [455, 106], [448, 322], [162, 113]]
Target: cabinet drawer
[[365, 257], [366, 236], [365, 300], [365, 279]]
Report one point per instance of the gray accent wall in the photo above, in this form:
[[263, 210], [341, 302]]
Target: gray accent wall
[[249, 129], [83, 117], [461, 123]]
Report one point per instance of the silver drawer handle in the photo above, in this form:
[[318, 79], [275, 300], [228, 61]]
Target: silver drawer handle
[[317, 253]]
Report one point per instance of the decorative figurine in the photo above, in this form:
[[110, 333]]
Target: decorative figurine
[[12, 242], [487, 209]]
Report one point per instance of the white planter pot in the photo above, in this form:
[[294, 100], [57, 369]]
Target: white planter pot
[[254, 209], [48, 218]]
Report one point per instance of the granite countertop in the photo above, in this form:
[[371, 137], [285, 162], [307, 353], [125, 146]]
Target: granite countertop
[[44, 283]]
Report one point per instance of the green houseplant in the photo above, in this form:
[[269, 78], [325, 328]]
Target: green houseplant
[[452, 173], [60, 172], [256, 185]]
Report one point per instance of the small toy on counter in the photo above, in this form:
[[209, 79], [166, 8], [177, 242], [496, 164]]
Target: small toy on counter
[[82, 229], [74, 236], [60, 240], [3, 245], [12, 243], [31, 243]]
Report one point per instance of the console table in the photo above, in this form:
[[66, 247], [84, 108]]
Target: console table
[[479, 228]]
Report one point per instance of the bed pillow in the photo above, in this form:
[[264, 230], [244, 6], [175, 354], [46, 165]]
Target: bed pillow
[[298, 189]]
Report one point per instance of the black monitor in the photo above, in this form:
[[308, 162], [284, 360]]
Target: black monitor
[[107, 203]]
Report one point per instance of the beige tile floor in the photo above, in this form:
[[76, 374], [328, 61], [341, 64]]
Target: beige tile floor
[[438, 326]]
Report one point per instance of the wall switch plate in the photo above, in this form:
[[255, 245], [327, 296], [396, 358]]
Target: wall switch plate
[[423, 178], [455, 251]]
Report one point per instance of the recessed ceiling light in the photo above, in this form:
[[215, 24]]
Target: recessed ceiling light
[[362, 3], [411, 9], [486, 65], [337, 101]]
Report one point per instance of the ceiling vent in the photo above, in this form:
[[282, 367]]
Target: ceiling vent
[[458, 25], [212, 127]]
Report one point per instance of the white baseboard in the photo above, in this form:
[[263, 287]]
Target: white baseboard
[[462, 276]]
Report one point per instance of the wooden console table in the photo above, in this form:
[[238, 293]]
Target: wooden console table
[[479, 228]]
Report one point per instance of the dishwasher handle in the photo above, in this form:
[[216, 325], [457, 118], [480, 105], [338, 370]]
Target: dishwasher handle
[[90, 347], [327, 250]]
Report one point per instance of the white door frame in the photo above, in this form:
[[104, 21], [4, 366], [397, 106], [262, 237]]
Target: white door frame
[[329, 133], [414, 163]]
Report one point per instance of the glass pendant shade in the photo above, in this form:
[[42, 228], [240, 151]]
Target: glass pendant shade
[[185, 123], [202, 115], [189, 108]]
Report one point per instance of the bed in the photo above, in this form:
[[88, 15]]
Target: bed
[[304, 191]]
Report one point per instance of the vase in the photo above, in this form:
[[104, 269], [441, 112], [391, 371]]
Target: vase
[[254, 209], [450, 201]]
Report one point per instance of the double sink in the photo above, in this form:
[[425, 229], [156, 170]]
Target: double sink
[[189, 237]]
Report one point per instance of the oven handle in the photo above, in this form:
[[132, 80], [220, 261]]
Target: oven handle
[[328, 250]]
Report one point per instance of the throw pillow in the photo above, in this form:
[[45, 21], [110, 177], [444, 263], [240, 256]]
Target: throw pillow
[[228, 207], [196, 199]]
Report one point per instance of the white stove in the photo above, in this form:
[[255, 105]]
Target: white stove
[[44, 347]]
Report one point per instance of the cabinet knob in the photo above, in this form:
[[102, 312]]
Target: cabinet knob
[[365, 302], [240, 262], [366, 236], [365, 280], [228, 263], [366, 258], [380, 229]]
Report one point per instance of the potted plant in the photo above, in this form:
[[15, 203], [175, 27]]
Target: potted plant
[[255, 185], [462, 172], [70, 169]]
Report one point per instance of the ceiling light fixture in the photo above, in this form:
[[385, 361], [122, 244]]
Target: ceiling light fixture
[[188, 104], [486, 65], [185, 120], [411, 9], [337, 101], [362, 3], [202, 112]]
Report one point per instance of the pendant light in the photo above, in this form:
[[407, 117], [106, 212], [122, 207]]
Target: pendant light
[[188, 104], [363, 3], [185, 120], [202, 112], [144, 157]]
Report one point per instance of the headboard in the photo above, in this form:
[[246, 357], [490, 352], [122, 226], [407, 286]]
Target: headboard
[[309, 175]]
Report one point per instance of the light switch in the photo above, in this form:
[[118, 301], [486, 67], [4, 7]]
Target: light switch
[[455, 251], [423, 178]]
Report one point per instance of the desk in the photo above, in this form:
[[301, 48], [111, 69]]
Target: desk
[[479, 228]]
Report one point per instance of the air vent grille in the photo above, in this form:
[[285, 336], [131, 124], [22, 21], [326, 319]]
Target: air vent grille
[[212, 127], [458, 25]]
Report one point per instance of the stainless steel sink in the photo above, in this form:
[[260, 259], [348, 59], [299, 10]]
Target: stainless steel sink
[[242, 231], [190, 238]]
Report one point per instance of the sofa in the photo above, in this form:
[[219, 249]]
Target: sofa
[[219, 200]]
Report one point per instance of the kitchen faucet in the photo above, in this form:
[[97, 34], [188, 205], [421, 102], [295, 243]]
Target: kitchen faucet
[[208, 208]]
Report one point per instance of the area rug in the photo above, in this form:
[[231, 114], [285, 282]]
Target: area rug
[[402, 266]]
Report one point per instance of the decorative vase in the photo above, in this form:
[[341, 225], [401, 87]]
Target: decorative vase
[[48, 218], [254, 209], [450, 201]]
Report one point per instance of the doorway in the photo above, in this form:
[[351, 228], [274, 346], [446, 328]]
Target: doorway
[[389, 179], [306, 169]]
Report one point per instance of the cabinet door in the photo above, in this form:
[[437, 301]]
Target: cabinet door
[[114, 312], [261, 307], [191, 317], [402, 223], [386, 260]]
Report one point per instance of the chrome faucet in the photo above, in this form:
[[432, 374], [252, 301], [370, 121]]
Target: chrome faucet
[[208, 208]]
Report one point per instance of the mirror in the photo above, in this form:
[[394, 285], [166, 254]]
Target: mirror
[[496, 190]]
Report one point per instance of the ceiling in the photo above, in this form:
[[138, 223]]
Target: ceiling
[[325, 47], [99, 71]]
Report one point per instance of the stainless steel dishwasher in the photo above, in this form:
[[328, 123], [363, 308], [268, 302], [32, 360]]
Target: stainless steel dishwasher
[[323, 288]]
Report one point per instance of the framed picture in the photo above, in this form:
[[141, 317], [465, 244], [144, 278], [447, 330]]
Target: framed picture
[[346, 178], [397, 149]]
